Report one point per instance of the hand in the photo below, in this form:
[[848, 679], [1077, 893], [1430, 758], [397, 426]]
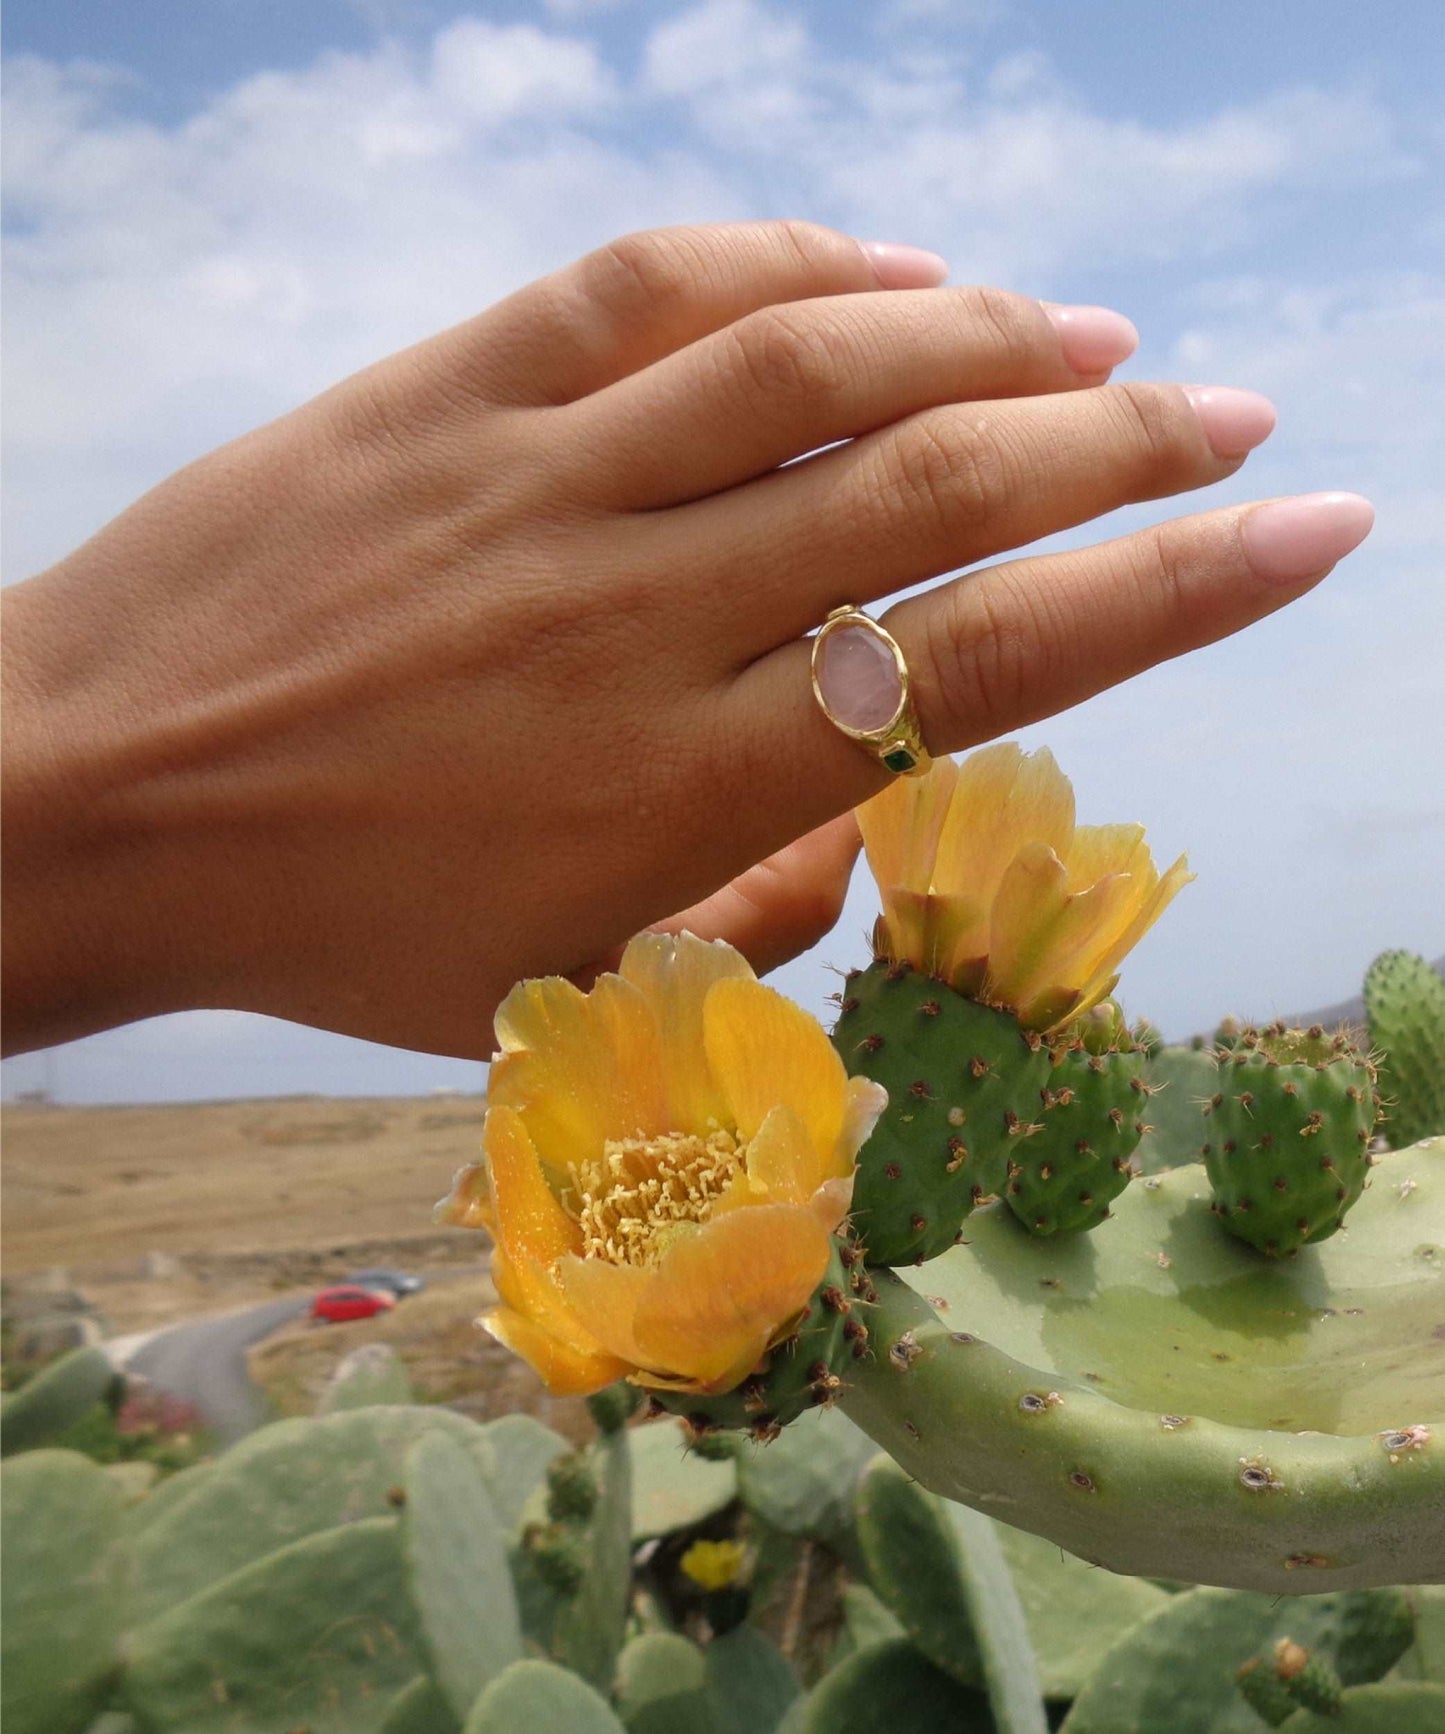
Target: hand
[[496, 654]]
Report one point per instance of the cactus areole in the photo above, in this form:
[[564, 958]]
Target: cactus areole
[[1160, 1400]]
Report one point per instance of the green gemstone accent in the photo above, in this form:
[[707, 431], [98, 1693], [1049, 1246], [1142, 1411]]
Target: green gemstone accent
[[899, 759]]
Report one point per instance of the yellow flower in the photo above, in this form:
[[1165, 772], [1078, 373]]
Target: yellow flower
[[666, 1159], [989, 885], [713, 1565]]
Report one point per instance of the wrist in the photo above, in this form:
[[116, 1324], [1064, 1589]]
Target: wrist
[[97, 929]]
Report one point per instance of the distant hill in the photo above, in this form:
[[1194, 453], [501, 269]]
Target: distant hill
[[1349, 1011]]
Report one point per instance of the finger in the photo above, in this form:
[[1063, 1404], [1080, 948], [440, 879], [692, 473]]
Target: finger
[[645, 295], [774, 911], [994, 651], [949, 487], [794, 376]]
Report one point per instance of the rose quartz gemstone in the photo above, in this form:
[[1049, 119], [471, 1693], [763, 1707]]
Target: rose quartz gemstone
[[858, 678]]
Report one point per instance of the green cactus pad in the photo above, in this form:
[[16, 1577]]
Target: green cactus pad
[[588, 1629], [1091, 1116], [1287, 1135], [1405, 1002], [281, 1483], [543, 1699], [750, 1682], [62, 1610], [62, 1393], [318, 1635], [1157, 1399], [456, 1565], [963, 1084], [890, 1688], [1384, 1709], [803, 1483], [913, 1566], [662, 1685], [674, 1487], [800, 1373], [1178, 1669], [418, 1709]]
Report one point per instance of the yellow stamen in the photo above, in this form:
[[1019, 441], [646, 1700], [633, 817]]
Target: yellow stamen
[[627, 1199]]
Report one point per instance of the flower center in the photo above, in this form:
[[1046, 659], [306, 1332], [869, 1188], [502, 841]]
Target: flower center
[[627, 1199]]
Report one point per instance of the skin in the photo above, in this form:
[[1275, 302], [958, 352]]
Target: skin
[[494, 654]]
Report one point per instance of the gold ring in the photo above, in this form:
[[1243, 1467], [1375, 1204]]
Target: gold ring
[[860, 681]]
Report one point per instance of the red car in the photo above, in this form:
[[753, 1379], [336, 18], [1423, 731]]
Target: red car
[[346, 1301]]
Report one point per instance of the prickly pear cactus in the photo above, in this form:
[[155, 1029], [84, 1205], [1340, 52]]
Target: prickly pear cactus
[[1089, 1120], [1157, 1399], [963, 1084], [801, 1372], [1288, 1135], [1405, 1001]]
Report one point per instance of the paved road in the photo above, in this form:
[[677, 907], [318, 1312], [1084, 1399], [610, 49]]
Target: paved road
[[205, 1364]]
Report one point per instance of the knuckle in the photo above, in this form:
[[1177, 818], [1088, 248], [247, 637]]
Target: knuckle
[[813, 245], [645, 268], [1008, 320], [1161, 560], [988, 653], [1149, 419], [780, 353], [947, 468]]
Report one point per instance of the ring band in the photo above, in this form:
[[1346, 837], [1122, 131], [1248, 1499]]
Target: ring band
[[861, 683]]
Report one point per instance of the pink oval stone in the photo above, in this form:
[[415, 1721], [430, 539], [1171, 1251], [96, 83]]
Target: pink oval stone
[[858, 678]]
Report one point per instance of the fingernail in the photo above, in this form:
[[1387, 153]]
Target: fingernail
[[1286, 541], [1235, 422], [1093, 339], [897, 266]]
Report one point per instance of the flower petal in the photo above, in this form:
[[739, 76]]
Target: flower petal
[[901, 827], [1098, 850], [1040, 930], [766, 1051], [579, 1068], [719, 1295], [1142, 916], [469, 1203], [530, 1223], [782, 1161], [1004, 799], [607, 1296], [863, 1105], [565, 1371], [673, 974]]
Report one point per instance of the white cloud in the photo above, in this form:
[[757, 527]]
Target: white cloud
[[496, 74], [723, 42]]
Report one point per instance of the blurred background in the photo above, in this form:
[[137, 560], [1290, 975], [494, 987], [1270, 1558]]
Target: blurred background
[[213, 212]]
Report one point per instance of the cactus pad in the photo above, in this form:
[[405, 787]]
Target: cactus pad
[[1405, 1001], [1288, 1135], [963, 1084], [1157, 1399], [1091, 1116]]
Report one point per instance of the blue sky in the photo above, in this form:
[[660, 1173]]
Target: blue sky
[[214, 211]]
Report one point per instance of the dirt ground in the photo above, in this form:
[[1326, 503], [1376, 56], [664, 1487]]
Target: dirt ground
[[449, 1358], [158, 1213]]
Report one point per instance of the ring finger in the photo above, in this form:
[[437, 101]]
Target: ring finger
[[946, 488], [996, 650]]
